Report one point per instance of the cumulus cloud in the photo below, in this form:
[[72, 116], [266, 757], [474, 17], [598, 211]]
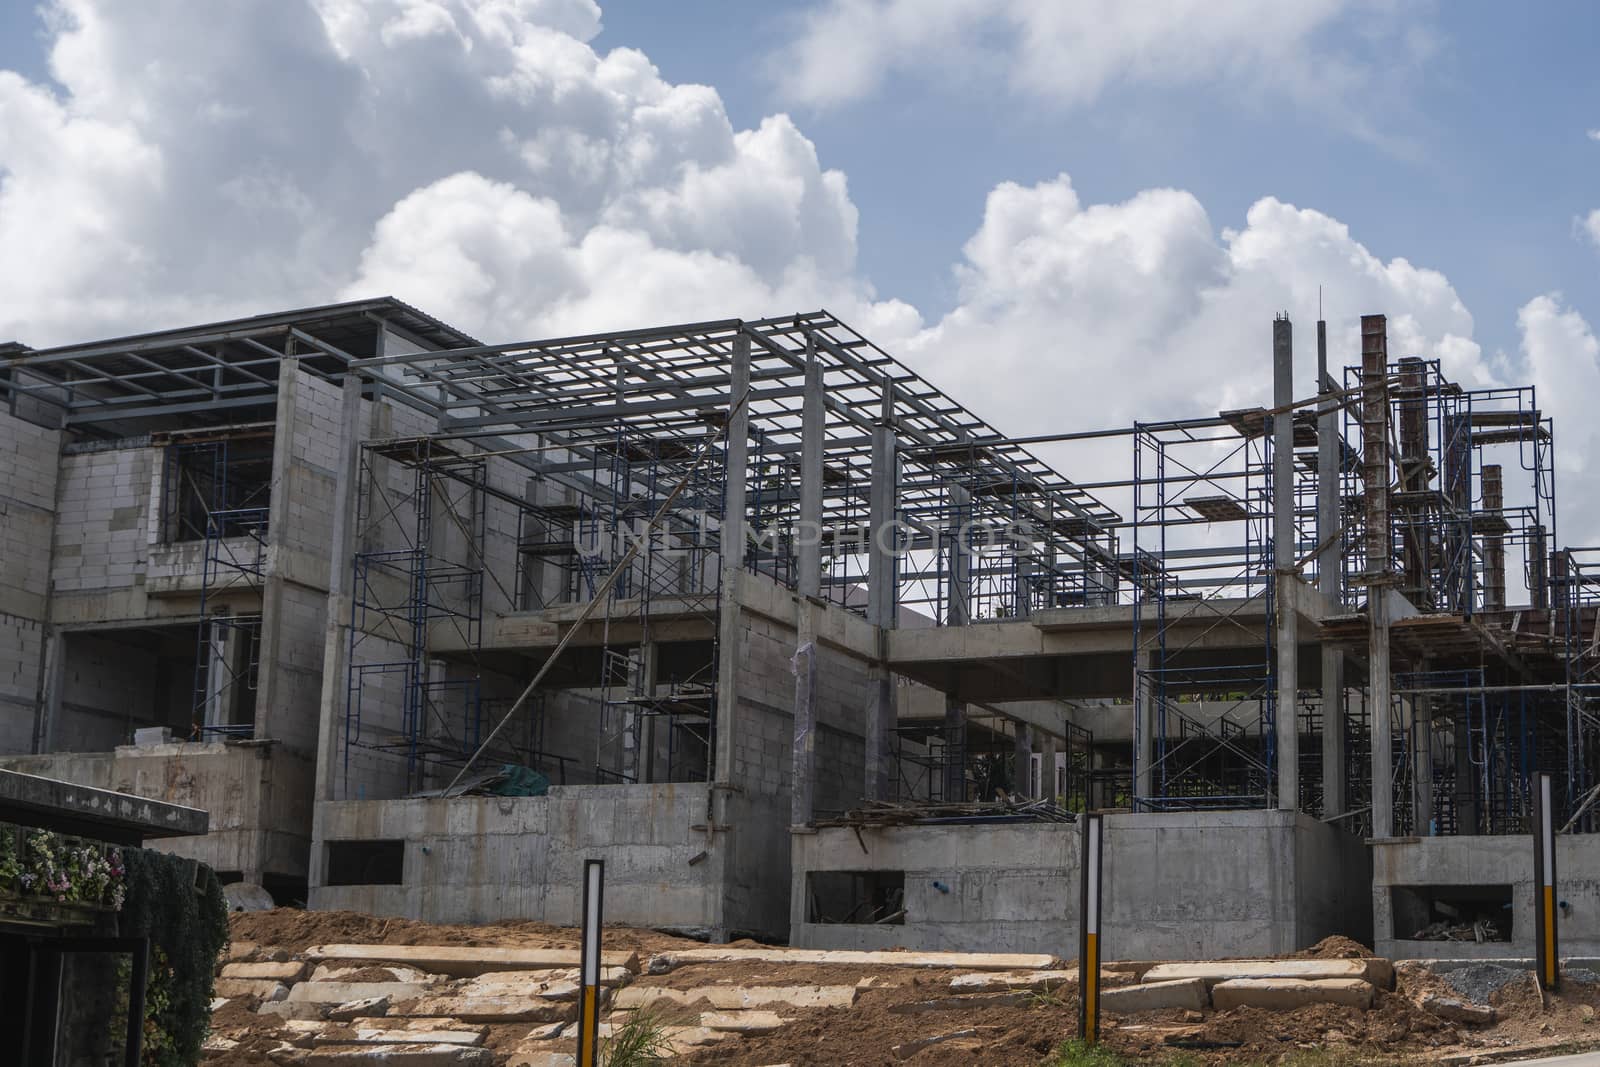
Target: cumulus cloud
[[1070, 53], [1099, 314], [1563, 364], [481, 159], [197, 160]]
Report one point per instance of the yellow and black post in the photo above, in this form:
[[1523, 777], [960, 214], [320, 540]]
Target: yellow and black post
[[594, 877], [1544, 882], [1089, 930]]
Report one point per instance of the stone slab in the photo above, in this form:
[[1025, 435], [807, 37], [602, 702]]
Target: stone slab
[[1455, 1010], [971, 961], [737, 998], [1029, 981], [288, 971], [367, 1007], [417, 1055], [264, 988], [464, 961], [491, 1009], [1286, 994], [1187, 994], [1378, 972], [465, 1038], [742, 1022], [344, 992]]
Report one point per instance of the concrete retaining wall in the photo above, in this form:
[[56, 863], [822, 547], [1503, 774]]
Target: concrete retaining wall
[[1199, 885], [488, 859], [1475, 861]]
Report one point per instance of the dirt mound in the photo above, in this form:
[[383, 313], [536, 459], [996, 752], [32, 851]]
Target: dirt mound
[[296, 930], [1020, 1035], [1337, 947]]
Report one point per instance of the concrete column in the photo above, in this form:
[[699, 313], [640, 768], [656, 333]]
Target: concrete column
[[336, 628], [1023, 764], [730, 626], [1538, 575], [803, 791], [1330, 581], [1144, 727], [1283, 553], [267, 703], [1380, 571], [808, 584], [218, 664], [808, 551], [1422, 765], [55, 659], [1494, 544], [1466, 776], [958, 612], [649, 656], [881, 595]]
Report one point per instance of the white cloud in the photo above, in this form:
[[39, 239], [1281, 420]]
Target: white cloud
[[199, 160], [1563, 365], [1074, 315], [480, 159], [1070, 53], [1590, 225], [1594, 135]]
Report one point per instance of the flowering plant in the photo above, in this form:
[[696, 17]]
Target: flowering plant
[[65, 870]]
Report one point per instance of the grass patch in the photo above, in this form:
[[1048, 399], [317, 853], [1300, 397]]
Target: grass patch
[[639, 1042], [1077, 1053]]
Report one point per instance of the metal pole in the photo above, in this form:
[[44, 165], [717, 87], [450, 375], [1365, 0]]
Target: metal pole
[[1089, 929], [594, 878], [1544, 882]]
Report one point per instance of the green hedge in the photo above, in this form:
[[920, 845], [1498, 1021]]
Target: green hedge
[[178, 905]]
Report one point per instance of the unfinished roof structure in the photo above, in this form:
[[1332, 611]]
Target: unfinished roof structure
[[499, 607]]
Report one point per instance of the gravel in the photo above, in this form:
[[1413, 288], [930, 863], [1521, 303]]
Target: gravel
[[1479, 981]]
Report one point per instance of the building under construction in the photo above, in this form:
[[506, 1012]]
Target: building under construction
[[801, 646]]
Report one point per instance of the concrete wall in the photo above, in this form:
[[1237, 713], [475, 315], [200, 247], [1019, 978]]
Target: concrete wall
[[257, 796], [486, 859], [764, 752], [28, 458], [1008, 887], [1176, 886], [1478, 861]]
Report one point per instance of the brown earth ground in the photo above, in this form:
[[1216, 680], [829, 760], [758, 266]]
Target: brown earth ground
[[877, 1029]]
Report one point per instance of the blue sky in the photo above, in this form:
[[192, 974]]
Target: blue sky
[[1495, 166], [1069, 215]]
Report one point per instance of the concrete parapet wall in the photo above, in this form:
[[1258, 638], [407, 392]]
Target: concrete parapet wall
[[1192, 885]]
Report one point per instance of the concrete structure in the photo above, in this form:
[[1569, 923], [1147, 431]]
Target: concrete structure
[[726, 589], [1194, 885]]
